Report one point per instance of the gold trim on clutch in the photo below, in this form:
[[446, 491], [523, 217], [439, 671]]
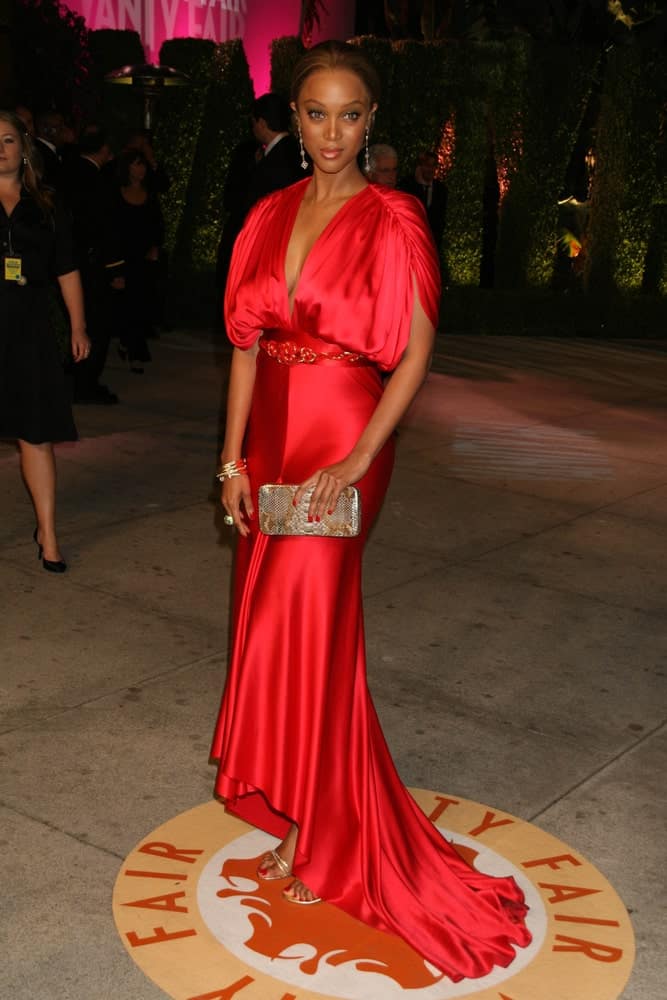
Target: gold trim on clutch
[[279, 516]]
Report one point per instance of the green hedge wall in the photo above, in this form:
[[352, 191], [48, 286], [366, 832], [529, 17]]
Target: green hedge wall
[[424, 69], [120, 107], [285, 54], [111, 49], [180, 120], [629, 182], [550, 86], [382, 54], [227, 106], [467, 86], [521, 99]]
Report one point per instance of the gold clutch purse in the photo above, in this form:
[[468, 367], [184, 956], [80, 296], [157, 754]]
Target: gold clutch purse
[[279, 516]]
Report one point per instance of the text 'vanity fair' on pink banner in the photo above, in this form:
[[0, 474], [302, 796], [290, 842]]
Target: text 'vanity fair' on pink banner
[[257, 22]]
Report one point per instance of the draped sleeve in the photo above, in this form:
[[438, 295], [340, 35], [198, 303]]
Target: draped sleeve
[[247, 293], [357, 286], [406, 261]]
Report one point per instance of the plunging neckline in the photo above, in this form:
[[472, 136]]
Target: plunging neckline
[[291, 305]]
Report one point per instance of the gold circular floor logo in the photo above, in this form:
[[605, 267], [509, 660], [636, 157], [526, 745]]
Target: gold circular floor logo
[[196, 919]]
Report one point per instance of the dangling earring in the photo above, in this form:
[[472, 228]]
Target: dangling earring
[[304, 161], [367, 159]]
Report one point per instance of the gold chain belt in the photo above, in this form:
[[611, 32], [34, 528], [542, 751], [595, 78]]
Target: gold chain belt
[[286, 352]]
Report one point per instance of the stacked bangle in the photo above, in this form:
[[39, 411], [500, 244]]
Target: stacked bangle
[[231, 469]]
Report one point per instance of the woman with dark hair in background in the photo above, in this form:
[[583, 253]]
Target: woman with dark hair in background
[[134, 235], [333, 282], [35, 236]]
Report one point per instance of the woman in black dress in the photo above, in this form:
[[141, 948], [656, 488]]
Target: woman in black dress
[[35, 248], [134, 235]]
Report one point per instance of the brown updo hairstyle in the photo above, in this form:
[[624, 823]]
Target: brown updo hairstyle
[[335, 55], [31, 167], [123, 163]]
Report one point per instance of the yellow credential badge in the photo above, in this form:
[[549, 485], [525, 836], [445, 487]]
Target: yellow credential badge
[[13, 269]]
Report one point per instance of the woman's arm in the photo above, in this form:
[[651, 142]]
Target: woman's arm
[[70, 286], [399, 393], [236, 491]]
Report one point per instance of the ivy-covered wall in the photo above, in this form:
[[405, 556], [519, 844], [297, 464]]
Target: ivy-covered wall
[[119, 107], [629, 187], [466, 88], [180, 122], [549, 86], [285, 54], [382, 54], [510, 110], [198, 126]]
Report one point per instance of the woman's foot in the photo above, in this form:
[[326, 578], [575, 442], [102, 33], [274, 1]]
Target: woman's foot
[[273, 867], [278, 864], [297, 892], [48, 551]]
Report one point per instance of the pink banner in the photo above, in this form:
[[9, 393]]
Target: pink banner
[[257, 22]]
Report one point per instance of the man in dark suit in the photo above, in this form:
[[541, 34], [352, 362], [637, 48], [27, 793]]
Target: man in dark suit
[[279, 164], [86, 190], [269, 161], [431, 193], [49, 134]]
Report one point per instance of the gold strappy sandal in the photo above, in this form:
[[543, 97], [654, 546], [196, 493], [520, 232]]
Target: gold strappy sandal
[[273, 858], [300, 902]]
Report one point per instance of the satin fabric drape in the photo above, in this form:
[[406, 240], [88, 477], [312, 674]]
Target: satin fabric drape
[[297, 738]]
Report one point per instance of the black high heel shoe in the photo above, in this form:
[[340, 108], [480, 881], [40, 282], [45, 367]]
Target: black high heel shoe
[[51, 565]]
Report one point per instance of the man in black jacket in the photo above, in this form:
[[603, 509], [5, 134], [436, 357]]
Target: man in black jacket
[[86, 191], [279, 163], [49, 133], [270, 161], [431, 193]]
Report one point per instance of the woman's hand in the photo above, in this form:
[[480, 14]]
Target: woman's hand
[[237, 501], [80, 345], [330, 482]]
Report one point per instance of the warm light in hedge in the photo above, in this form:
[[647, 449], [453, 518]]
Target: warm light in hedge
[[446, 147], [507, 165]]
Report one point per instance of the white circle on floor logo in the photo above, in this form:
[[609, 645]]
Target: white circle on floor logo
[[194, 916]]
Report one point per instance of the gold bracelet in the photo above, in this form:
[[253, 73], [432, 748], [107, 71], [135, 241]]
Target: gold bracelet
[[232, 469]]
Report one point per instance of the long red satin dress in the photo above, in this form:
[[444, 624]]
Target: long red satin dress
[[297, 738]]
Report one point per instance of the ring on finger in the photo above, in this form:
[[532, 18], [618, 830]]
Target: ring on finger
[[228, 519]]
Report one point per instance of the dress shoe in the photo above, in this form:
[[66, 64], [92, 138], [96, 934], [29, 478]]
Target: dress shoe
[[50, 565]]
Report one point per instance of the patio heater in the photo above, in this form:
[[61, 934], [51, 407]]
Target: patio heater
[[149, 81]]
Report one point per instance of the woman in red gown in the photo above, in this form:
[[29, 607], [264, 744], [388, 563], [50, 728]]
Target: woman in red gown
[[333, 281]]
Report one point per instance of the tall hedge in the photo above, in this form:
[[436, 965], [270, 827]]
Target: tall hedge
[[520, 98], [228, 101], [470, 67], [285, 54], [627, 184], [419, 69], [382, 55], [180, 121], [120, 107], [49, 53], [552, 85]]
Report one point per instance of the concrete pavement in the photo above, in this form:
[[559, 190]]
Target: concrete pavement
[[516, 596]]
